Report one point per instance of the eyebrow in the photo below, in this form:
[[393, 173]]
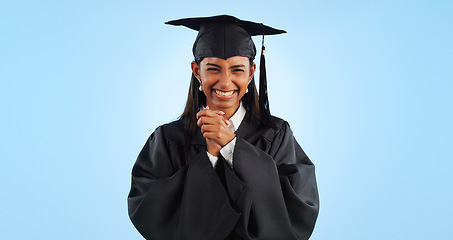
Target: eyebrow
[[215, 65], [238, 66], [212, 64]]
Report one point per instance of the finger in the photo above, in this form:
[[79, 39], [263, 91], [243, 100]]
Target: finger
[[210, 113], [219, 137], [218, 111], [209, 128], [210, 121], [203, 120], [215, 136], [200, 113], [226, 121], [217, 120]]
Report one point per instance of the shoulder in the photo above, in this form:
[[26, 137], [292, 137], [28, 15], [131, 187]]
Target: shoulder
[[282, 126], [254, 129], [171, 132], [279, 122]]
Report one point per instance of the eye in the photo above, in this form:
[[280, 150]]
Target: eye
[[213, 69], [238, 70]]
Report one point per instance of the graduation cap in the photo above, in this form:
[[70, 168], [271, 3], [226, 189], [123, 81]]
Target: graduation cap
[[225, 36]]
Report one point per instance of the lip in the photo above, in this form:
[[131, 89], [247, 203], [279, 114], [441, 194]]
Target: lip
[[224, 97]]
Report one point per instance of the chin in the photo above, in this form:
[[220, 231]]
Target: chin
[[223, 105]]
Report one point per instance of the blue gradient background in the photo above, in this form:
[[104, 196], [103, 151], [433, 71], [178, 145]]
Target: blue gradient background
[[366, 86]]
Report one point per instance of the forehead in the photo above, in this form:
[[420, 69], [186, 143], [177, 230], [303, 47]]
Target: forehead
[[236, 60]]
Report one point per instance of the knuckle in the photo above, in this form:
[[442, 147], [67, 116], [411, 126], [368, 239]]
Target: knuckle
[[218, 135]]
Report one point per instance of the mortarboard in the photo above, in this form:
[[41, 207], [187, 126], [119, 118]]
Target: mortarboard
[[225, 36]]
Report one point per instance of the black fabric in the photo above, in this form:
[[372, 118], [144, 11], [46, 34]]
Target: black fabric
[[270, 193], [265, 113], [252, 28], [224, 36]]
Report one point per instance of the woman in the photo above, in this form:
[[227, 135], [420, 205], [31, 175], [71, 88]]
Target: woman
[[226, 169]]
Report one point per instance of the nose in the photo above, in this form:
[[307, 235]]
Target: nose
[[226, 79]]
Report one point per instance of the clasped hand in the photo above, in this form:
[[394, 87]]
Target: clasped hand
[[215, 130]]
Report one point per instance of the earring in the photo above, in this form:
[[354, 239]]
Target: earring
[[247, 90], [200, 88]]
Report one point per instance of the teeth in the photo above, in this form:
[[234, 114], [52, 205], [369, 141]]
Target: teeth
[[229, 93]]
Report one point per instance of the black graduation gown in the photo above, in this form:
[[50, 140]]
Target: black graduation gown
[[270, 193]]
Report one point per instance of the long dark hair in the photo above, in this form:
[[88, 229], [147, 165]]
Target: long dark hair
[[196, 99]]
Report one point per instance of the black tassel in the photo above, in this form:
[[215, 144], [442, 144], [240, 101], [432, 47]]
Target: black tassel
[[265, 113]]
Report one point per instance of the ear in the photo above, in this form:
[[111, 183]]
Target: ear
[[252, 70], [195, 69]]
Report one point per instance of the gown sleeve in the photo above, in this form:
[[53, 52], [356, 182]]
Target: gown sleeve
[[187, 203], [280, 200]]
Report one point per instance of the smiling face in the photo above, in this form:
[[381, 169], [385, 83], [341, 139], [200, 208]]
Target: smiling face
[[224, 82]]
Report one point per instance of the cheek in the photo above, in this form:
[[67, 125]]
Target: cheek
[[206, 81], [243, 84]]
